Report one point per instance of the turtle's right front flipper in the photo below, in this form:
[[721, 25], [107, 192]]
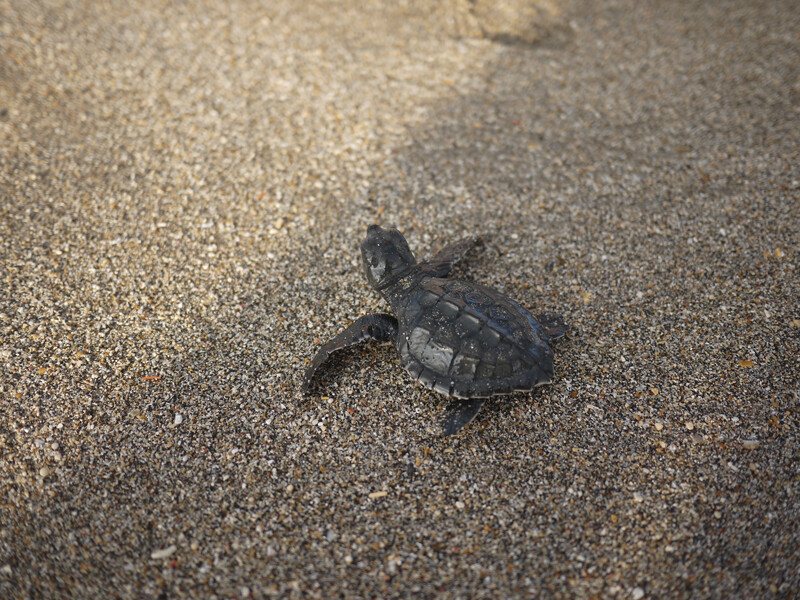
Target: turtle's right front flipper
[[441, 263], [381, 327]]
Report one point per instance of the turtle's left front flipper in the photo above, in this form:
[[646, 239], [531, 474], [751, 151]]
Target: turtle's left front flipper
[[381, 327], [441, 263]]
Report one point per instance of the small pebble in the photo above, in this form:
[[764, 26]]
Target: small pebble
[[44, 471], [178, 419], [637, 593], [750, 444], [164, 553], [689, 425]]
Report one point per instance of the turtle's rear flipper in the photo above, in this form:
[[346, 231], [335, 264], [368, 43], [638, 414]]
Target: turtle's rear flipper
[[441, 263], [381, 327], [552, 324], [460, 413]]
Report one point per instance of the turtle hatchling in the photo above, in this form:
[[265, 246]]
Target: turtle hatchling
[[459, 338]]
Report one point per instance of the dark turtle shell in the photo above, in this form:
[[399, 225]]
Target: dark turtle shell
[[467, 340]]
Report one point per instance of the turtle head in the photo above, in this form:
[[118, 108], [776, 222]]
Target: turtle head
[[386, 255]]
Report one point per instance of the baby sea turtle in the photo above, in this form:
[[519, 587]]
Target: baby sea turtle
[[459, 338]]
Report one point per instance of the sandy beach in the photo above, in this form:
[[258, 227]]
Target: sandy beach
[[183, 191]]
